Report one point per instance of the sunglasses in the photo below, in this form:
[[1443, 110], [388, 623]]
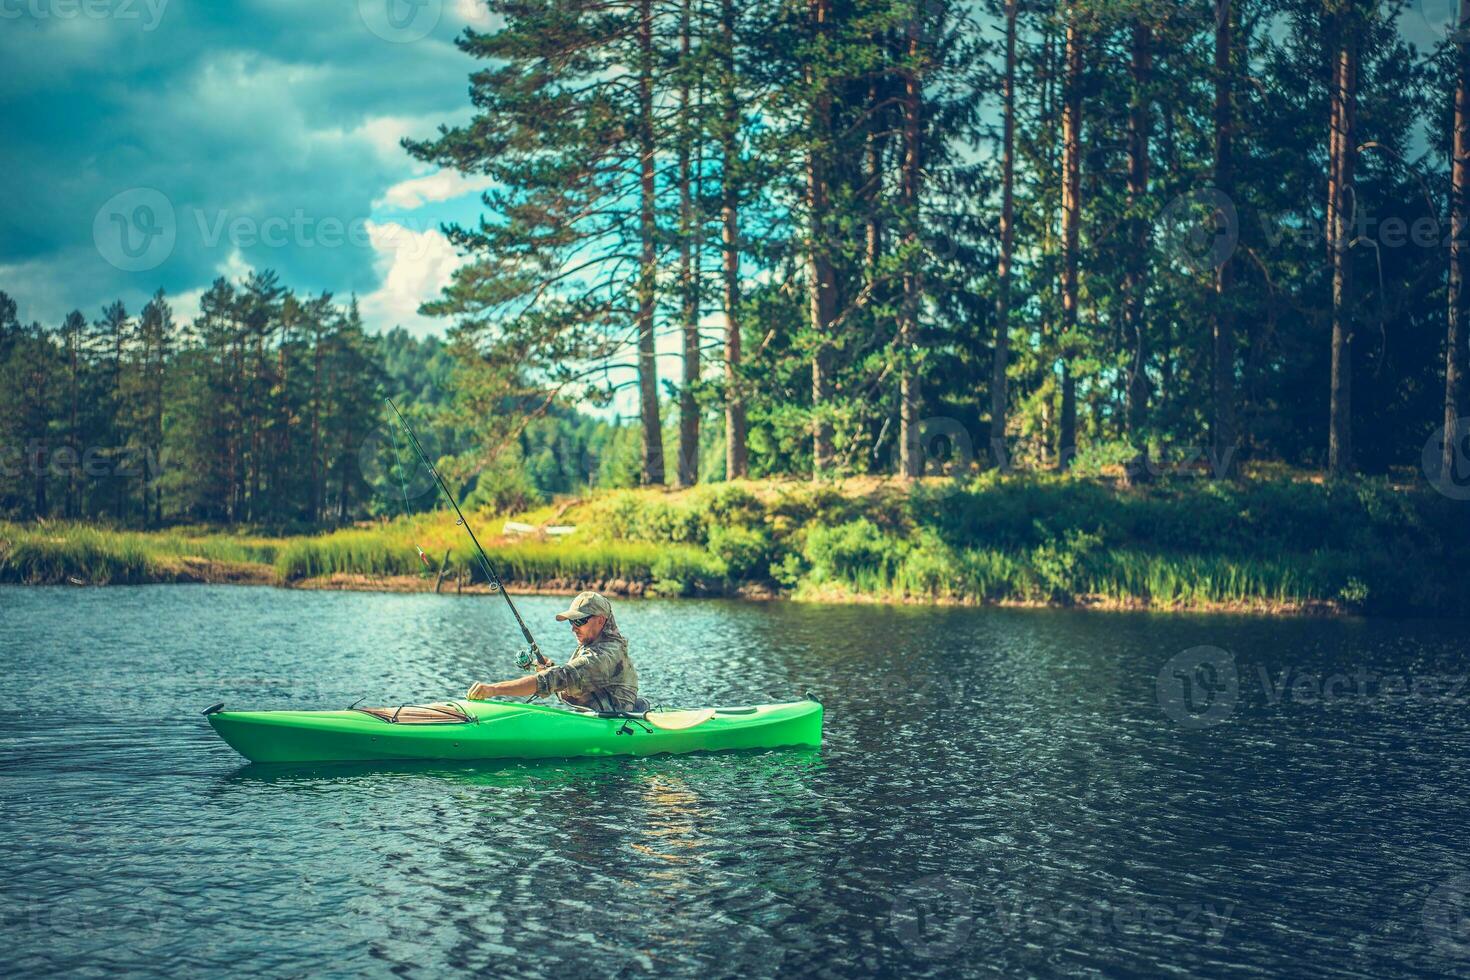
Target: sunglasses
[[579, 623]]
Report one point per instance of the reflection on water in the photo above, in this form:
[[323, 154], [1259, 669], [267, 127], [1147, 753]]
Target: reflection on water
[[1000, 792]]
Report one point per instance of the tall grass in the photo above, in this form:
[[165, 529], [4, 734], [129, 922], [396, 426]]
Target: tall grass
[[1181, 543], [54, 553], [391, 551]]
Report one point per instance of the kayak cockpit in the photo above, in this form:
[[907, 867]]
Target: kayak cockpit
[[437, 713]]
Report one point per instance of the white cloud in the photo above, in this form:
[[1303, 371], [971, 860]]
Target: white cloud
[[442, 185], [382, 134], [234, 267], [413, 266], [185, 305], [475, 13]]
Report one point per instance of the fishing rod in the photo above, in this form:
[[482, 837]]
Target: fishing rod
[[494, 579]]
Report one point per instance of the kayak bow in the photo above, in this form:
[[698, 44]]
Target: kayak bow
[[472, 730]]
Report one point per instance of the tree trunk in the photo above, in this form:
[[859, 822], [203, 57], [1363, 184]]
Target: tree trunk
[[257, 450], [165, 323], [688, 468], [237, 430], [998, 390], [1339, 435], [1134, 277], [1456, 361], [911, 463], [873, 183], [119, 483], [38, 413], [1334, 129], [1071, 217], [822, 285], [653, 448], [1222, 431], [1050, 328], [342, 499], [73, 490], [318, 475], [736, 458]]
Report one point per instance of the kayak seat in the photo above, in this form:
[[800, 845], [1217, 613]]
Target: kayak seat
[[439, 713]]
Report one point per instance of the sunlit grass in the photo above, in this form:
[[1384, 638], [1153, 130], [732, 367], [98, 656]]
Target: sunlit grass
[[60, 552], [392, 550], [1361, 545]]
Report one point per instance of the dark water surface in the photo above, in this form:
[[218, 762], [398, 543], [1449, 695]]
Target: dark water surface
[[1001, 792]]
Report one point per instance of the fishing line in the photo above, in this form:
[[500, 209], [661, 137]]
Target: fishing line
[[398, 469], [494, 579]]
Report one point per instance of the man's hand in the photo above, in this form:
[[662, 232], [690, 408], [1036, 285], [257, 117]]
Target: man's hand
[[525, 687]]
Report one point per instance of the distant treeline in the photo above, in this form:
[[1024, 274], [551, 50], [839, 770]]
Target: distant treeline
[[267, 409]]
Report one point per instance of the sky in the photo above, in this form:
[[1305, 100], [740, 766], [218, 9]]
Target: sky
[[164, 143], [151, 144]]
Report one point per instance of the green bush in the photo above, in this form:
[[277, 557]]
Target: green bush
[[745, 552], [731, 504], [930, 567], [856, 552], [504, 488]]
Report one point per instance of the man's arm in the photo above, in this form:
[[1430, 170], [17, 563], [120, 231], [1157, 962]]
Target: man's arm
[[520, 687]]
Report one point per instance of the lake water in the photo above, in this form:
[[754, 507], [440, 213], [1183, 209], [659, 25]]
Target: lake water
[[1000, 792]]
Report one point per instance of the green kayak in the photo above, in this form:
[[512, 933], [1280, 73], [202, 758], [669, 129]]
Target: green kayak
[[469, 730]]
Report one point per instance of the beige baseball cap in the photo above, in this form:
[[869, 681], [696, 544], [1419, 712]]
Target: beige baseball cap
[[586, 604]]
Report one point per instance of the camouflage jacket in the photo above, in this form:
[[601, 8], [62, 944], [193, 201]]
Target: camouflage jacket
[[599, 676]]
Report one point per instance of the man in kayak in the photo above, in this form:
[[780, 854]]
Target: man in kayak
[[599, 676]]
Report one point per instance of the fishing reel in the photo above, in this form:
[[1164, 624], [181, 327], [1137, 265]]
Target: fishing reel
[[531, 661]]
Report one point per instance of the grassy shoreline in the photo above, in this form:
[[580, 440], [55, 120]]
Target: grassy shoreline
[[1282, 545]]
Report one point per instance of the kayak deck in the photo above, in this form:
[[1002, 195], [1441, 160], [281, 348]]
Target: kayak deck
[[508, 730]]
